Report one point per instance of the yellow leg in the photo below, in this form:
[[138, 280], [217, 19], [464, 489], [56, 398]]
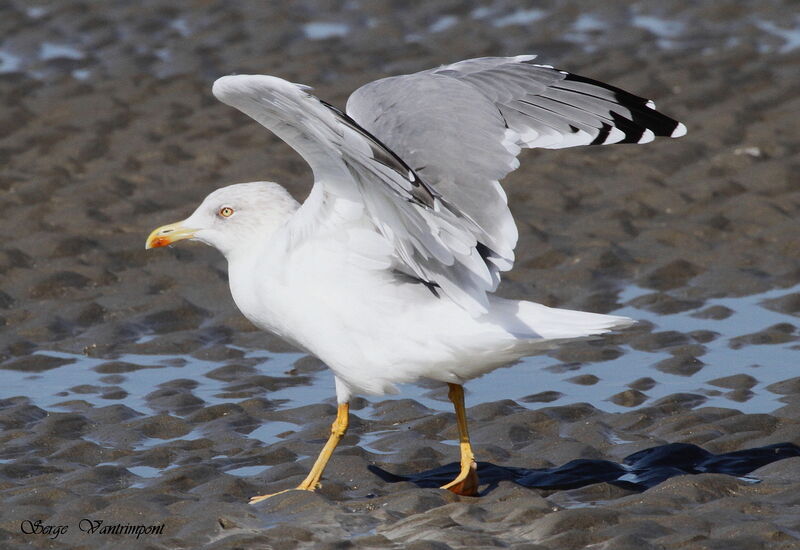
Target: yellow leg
[[311, 481], [467, 481]]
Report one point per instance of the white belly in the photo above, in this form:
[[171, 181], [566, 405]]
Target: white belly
[[370, 328]]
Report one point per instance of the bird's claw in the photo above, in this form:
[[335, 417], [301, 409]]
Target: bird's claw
[[259, 498], [466, 484]]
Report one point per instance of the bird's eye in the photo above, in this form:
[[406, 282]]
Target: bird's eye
[[226, 211]]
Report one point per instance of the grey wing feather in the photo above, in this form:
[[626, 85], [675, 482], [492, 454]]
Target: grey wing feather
[[462, 125], [564, 100], [455, 139]]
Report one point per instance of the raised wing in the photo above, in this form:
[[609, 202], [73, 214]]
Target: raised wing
[[461, 126], [553, 109], [432, 239]]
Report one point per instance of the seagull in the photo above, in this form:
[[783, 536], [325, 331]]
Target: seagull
[[386, 272]]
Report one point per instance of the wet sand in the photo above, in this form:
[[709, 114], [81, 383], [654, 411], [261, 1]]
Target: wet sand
[[133, 392]]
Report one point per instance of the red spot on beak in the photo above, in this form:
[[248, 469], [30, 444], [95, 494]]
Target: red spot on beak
[[160, 241]]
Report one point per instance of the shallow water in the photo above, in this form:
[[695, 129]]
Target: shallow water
[[56, 388], [322, 30]]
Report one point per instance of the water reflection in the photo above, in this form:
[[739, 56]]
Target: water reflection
[[88, 379]]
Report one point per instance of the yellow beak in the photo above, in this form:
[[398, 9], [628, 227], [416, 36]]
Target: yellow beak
[[168, 234]]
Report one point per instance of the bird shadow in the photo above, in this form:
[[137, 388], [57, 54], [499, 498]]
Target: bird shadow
[[637, 472]]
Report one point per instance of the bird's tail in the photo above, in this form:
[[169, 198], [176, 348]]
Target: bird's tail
[[531, 321]]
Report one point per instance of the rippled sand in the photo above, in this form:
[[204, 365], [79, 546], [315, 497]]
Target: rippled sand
[[133, 391]]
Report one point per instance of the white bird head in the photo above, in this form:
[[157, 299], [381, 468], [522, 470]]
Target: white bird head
[[231, 216]]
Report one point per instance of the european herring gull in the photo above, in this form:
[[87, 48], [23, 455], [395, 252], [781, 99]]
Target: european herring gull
[[386, 271]]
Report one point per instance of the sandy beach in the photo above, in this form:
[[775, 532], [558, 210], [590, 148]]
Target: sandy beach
[[133, 393]]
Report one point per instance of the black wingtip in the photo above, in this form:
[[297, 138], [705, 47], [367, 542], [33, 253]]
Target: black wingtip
[[643, 114]]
